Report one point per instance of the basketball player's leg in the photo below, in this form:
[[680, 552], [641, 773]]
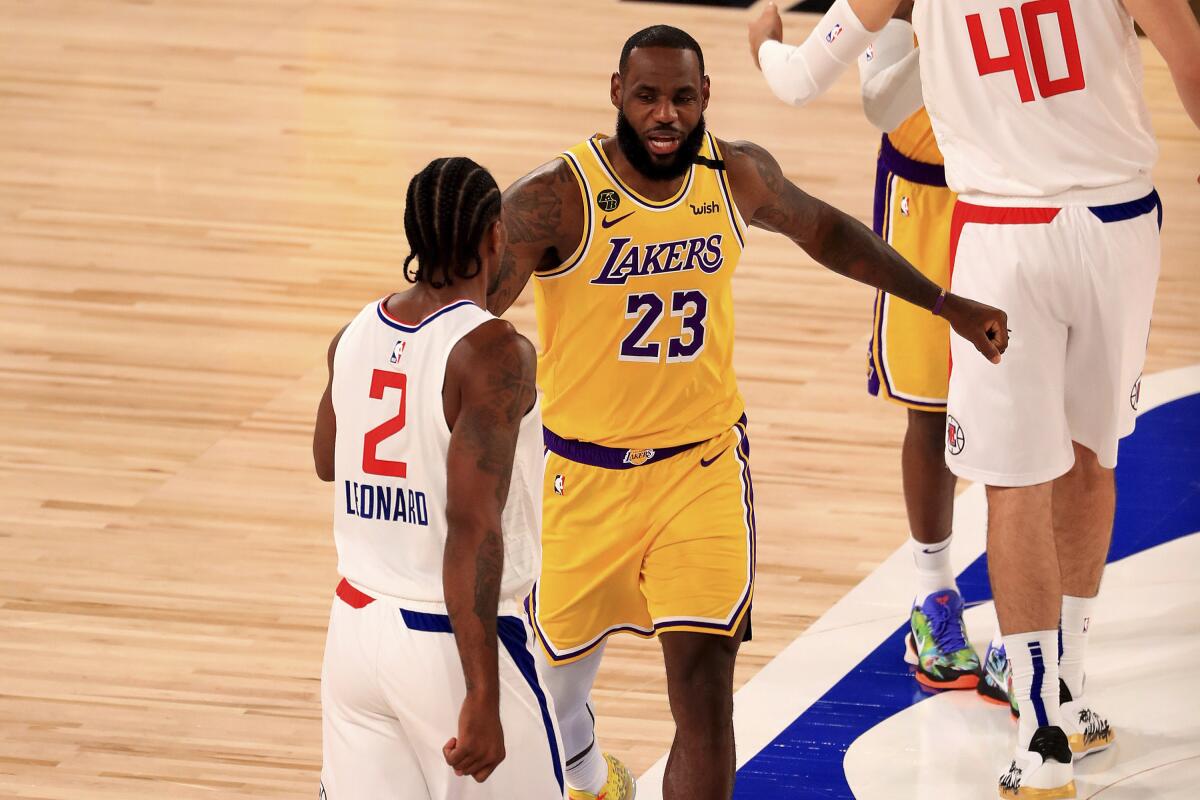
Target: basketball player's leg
[[593, 541], [910, 352], [698, 581], [366, 751], [702, 760], [1104, 366], [1012, 435]]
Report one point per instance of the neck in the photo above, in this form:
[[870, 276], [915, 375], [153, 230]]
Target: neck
[[421, 300], [650, 189]]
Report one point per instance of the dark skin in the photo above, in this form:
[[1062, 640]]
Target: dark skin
[[489, 387], [664, 92], [663, 95]]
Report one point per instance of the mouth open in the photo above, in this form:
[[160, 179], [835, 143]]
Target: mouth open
[[662, 144]]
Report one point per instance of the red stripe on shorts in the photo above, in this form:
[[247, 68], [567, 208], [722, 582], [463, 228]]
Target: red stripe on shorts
[[353, 597]]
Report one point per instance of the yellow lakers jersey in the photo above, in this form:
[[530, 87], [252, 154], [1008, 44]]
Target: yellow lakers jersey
[[637, 324], [914, 138]]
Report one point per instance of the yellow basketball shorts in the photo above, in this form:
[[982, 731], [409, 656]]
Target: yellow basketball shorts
[[909, 360], [643, 542]]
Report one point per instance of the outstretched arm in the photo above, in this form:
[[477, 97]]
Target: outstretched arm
[[543, 215], [843, 244], [799, 74], [491, 372]]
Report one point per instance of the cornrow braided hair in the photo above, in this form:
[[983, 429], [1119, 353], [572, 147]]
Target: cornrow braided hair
[[450, 205]]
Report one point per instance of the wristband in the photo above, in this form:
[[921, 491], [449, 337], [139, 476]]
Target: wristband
[[937, 304]]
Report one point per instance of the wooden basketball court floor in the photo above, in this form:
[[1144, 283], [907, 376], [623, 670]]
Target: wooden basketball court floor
[[194, 196]]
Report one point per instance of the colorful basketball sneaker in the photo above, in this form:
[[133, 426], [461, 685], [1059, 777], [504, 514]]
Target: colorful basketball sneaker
[[937, 643], [995, 686], [1043, 771], [1087, 731], [619, 786]]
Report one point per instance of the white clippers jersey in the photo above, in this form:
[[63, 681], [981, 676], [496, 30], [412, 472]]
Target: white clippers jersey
[[1036, 99], [389, 503]]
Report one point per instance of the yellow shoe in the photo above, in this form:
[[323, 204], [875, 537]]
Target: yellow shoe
[[619, 786]]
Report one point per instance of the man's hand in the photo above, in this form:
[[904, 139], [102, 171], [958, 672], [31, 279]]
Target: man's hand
[[769, 25], [479, 747], [981, 325]]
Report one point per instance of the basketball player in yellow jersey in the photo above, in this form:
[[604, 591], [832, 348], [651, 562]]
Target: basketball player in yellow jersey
[[909, 361], [648, 521]]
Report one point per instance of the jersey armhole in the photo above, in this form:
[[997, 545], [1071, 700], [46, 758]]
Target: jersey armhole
[[589, 222]]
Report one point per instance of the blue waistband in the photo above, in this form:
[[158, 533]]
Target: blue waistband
[[1119, 212], [598, 455], [907, 168]]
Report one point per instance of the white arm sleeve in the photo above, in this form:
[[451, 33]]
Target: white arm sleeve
[[890, 71], [799, 74]]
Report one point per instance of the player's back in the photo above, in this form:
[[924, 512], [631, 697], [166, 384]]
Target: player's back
[[390, 461], [1035, 101]]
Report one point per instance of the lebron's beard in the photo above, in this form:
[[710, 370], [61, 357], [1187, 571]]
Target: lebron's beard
[[639, 157]]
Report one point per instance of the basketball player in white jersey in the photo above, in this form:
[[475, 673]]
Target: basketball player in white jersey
[[431, 431], [1037, 106]]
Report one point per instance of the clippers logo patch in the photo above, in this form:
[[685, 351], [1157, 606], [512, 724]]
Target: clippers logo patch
[[956, 440], [1136, 394], [558, 485], [398, 351], [638, 457], [608, 200]]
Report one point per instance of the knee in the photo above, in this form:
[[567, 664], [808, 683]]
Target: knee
[[703, 697], [1087, 467]]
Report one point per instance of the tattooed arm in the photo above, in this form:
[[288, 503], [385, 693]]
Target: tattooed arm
[[543, 215], [841, 243], [489, 386]]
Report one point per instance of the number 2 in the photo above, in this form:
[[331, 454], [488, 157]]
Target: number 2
[[382, 380], [1014, 59]]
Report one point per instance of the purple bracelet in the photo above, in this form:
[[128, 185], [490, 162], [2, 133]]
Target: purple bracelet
[[937, 304]]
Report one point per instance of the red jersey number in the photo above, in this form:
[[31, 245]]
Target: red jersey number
[[1014, 60], [382, 380]]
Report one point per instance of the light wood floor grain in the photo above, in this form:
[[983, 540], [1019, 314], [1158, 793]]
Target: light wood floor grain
[[194, 195]]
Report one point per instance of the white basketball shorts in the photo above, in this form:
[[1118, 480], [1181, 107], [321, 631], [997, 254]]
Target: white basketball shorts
[[1078, 286], [391, 689]]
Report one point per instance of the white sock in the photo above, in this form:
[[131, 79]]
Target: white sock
[[1076, 619], [1034, 660], [571, 685], [933, 567], [588, 771]]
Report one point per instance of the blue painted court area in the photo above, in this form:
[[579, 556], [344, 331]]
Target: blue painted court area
[[1158, 488]]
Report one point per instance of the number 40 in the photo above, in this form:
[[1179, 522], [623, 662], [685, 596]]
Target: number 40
[[1014, 60]]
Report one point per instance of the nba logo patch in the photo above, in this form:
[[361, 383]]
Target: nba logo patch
[[397, 351], [558, 485], [956, 440], [870, 54], [904, 205], [834, 32]]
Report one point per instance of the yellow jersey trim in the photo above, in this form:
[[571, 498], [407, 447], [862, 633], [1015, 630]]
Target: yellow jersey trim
[[585, 243], [735, 214], [650, 205]]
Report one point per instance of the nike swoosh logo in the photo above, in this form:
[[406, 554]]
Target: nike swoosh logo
[[938, 550], [608, 223], [709, 462]]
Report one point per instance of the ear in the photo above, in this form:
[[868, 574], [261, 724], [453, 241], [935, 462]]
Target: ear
[[614, 90], [495, 239], [705, 89]]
